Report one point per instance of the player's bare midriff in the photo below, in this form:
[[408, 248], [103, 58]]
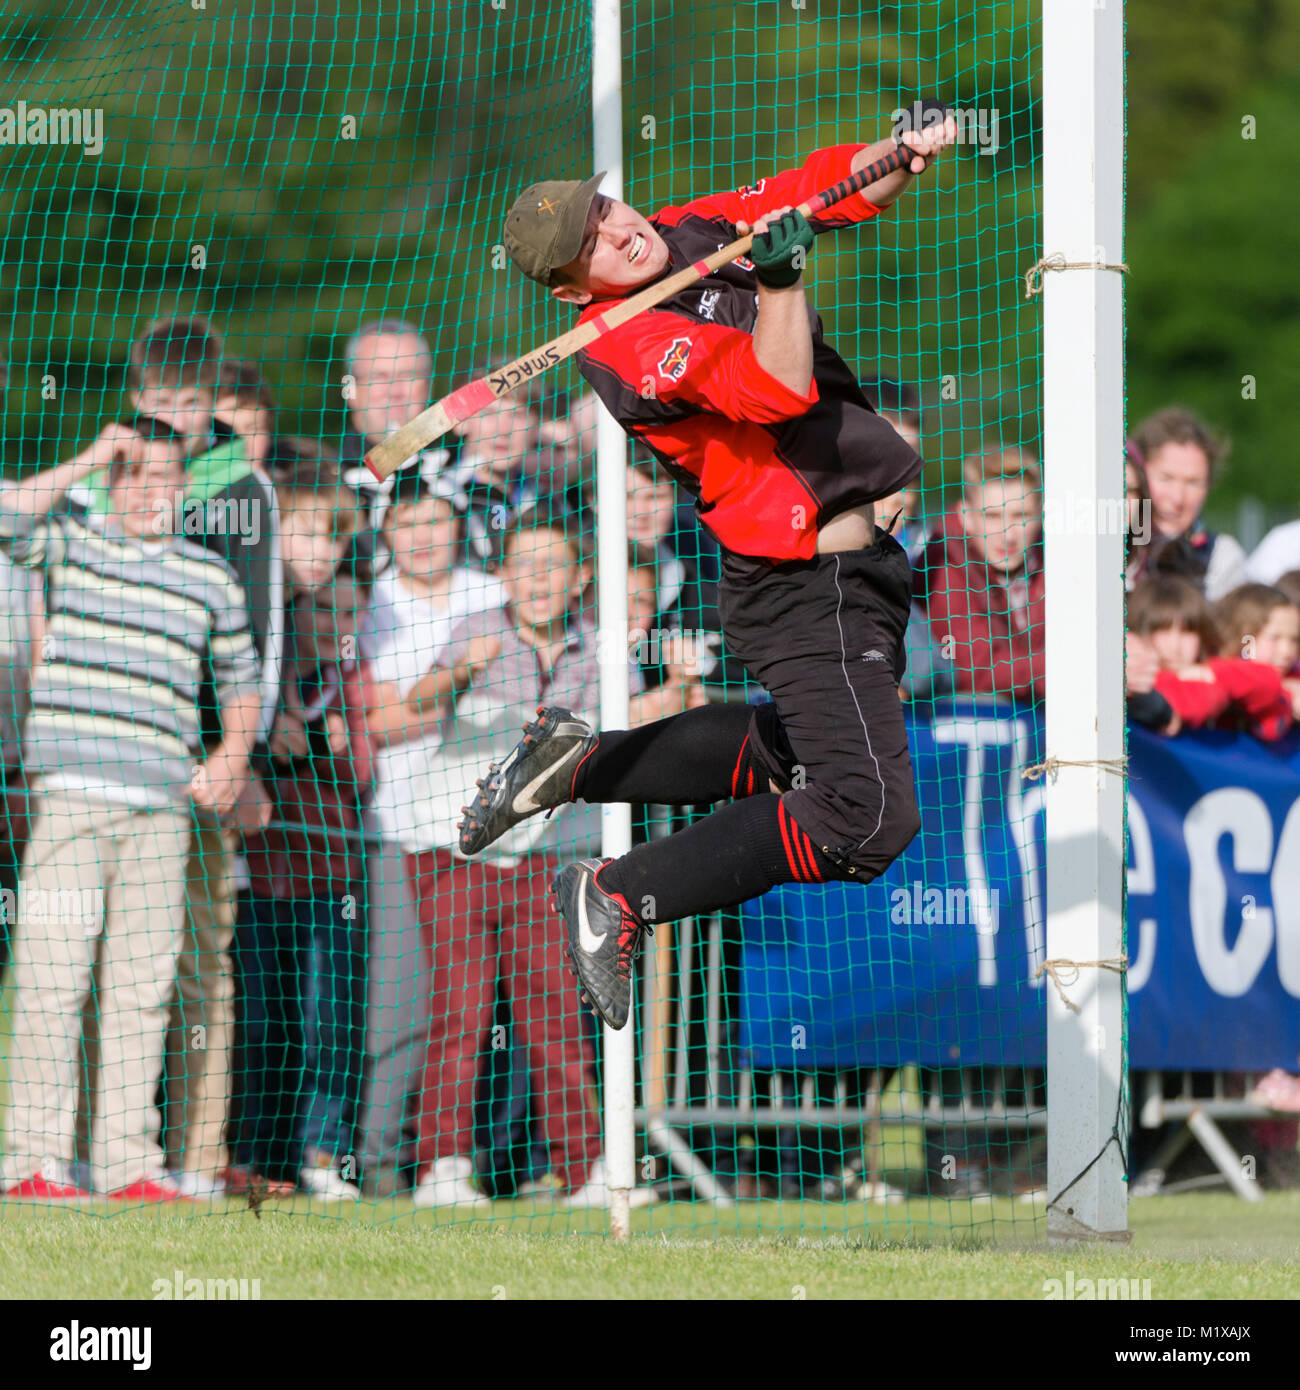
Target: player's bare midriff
[[854, 529]]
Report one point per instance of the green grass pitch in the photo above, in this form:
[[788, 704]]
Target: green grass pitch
[[1202, 1245]]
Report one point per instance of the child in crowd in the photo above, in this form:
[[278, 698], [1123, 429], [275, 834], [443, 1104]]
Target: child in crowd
[[229, 508], [245, 406], [1269, 631], [424, 587], [1261, 624], [980, 578], [423, 590], [1289, 584], [176, 371], [651, 506], [486, 920], [418, 599], [301, 934], [319, 513], [667, 658], [929, 668], [115, 752], [1172, 638], [901, 513], [664, 531], [319, 516]]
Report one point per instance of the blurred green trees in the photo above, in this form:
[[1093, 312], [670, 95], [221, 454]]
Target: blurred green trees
[[292, 171]]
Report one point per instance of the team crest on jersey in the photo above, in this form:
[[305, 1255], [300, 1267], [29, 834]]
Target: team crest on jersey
[[755, 188], [673, 365], [708, 303]]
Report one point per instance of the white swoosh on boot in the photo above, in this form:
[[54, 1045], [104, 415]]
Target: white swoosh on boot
[[589, 941], [524, 804]]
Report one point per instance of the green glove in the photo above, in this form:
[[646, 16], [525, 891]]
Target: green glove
[[780, 253]]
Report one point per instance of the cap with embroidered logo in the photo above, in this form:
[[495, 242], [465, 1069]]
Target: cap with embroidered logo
[[545, 224]]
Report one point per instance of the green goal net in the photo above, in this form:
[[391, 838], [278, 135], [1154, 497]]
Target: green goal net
[[241, 245]]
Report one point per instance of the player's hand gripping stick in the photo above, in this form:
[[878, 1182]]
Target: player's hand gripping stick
[[780, 253]]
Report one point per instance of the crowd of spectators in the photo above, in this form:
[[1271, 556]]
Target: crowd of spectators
[[247, 662], [252, 667]]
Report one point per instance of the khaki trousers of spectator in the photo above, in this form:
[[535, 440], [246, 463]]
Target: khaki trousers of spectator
[[201, 1019], [94, 871]]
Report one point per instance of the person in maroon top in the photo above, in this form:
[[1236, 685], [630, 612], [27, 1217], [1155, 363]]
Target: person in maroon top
[[733, 387], [980, 578]]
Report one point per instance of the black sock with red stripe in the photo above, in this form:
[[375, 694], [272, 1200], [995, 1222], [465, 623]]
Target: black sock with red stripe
[[737, 853], [689, 759]]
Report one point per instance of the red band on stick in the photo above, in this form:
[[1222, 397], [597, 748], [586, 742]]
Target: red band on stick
[[469, 400]]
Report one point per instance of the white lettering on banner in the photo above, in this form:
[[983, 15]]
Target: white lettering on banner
[[975, 735], [1285, 884], [1235, 812], [1240, 814], [1026, 803], [1141, 882]]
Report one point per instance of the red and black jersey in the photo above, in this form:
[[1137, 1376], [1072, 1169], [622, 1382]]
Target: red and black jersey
[[768, 467]]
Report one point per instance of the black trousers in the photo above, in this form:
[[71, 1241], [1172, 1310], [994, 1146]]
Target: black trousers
[[820, 779], [826, 639]]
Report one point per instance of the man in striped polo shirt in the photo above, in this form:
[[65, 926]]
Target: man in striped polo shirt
[[143, 629]]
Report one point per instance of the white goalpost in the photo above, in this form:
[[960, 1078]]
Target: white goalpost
[[611, 590], [1083, 402]]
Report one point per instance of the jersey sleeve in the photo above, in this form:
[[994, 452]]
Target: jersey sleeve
[[823, 169], [663, 356]]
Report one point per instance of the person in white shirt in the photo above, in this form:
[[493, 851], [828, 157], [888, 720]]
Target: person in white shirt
[[1277, 554], [417, 602], [422, 591]]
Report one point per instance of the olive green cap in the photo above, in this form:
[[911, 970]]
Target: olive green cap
[[544, 226]]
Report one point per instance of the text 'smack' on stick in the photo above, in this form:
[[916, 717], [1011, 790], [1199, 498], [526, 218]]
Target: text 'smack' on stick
[[434, 422]]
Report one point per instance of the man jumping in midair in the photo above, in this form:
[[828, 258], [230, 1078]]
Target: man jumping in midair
[[733, 387]]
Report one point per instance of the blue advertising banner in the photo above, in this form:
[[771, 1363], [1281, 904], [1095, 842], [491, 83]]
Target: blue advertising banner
[[1214, 901], [935, 962]]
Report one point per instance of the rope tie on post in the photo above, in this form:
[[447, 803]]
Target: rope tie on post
[[1056, 261], [1052, 969], [1050, 766]]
